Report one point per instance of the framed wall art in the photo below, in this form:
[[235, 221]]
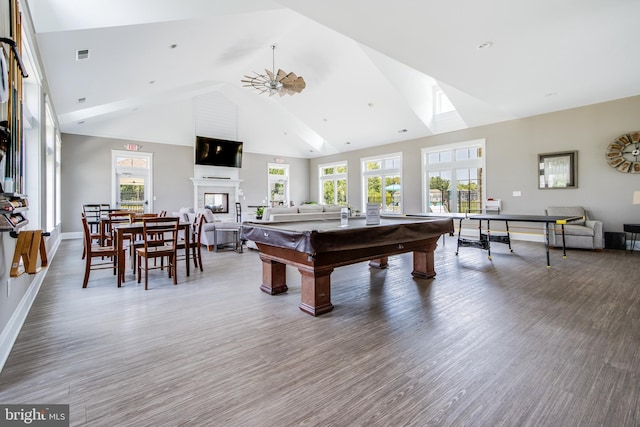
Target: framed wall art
[[558, 170]]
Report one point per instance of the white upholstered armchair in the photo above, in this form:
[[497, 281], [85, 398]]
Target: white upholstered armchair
[[585, 234]]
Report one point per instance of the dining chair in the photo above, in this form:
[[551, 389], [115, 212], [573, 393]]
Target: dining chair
[[105, 208], [195, 243], [238, 212], [118, 217], [92, 212], [160, 236], [93, 237], [93, 252]]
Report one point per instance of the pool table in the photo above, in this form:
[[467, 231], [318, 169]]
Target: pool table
[[316, 248]]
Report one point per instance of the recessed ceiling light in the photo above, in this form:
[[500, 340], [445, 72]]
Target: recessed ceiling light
[[550, 94], [173, 46], [485, 45], [81, 100], [81, 122], [347, 143], [402, 131], [151, 82]]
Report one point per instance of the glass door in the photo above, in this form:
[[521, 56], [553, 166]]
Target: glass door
[[132, 194]]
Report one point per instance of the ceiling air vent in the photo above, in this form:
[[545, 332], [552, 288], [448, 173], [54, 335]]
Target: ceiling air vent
[[82, 54]]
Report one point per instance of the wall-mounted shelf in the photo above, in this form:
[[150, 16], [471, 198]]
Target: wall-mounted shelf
[[12, 206]]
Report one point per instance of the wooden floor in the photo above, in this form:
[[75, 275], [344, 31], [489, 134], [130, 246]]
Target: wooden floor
[[486, 343]]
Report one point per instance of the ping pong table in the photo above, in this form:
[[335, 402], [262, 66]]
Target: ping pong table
[[485, 237]]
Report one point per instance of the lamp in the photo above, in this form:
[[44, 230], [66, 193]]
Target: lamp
[[636, 198], [272, 83]]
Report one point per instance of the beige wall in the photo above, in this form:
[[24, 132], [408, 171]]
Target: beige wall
[[511, 154], [86, 176]]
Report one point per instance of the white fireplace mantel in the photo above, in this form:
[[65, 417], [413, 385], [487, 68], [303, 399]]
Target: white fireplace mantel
[[230, 185]]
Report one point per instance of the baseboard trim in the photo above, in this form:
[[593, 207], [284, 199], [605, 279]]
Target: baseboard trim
[[14, 325], [73, 235]]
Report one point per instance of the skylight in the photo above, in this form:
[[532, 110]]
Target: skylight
[[442, 103]]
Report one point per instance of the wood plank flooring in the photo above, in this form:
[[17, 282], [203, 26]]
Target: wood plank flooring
[[501, 342]]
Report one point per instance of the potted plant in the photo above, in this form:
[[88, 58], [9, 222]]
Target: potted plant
[[259, 212]]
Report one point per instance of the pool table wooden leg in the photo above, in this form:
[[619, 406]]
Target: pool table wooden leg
[[274, 277], [316, 291], [423, 262]]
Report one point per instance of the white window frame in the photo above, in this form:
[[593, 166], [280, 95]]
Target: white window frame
[[454, 164], [279, 178], [384, 173], [334, 178]]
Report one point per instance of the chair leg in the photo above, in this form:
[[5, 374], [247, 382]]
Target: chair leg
[[172, 267], [146, 273], [194, 252], [87, 270], [199, 255]]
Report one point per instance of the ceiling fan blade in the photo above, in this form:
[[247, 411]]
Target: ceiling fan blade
[[281, 75], [296, 84], [269, 73]]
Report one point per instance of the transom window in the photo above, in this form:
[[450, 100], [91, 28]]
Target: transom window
[[382, 182], [333, 184]]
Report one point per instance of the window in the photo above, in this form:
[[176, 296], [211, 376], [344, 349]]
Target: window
[[34, 169], [333, 184], [278, 179], [453, 177], [382, 182], [50, 168]]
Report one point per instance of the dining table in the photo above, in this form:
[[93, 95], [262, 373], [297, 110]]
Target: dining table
[[133, 228]]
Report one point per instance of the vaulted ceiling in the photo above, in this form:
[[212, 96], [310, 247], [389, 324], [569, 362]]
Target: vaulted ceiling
[[158, 70]]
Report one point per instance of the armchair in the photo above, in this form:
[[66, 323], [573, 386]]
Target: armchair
[[585, 234]]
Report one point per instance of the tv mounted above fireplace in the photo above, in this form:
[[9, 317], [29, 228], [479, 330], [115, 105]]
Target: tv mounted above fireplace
[[218, 152]]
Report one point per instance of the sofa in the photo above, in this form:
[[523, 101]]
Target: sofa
[[225, 238], [308, 212], [584, 234]]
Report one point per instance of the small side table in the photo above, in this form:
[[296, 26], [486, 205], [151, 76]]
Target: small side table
[[634, 229]]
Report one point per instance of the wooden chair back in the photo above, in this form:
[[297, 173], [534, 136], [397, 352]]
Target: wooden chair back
[[92, 212], [160, 238], [93, 252]]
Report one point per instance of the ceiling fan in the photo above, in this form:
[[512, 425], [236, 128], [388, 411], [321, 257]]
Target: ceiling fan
[[281, 82]]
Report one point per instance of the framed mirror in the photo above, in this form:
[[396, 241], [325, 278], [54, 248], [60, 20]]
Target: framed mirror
[[558, 170]]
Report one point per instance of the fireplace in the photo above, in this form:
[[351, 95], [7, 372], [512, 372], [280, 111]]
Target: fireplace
[[217, 202], [218, 192]]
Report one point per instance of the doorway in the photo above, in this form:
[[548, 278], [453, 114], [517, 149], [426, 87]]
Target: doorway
[[132, 181]]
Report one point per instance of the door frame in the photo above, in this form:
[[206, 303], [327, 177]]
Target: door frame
[[117, 171]]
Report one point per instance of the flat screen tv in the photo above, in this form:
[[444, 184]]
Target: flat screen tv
[[218, 152]]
